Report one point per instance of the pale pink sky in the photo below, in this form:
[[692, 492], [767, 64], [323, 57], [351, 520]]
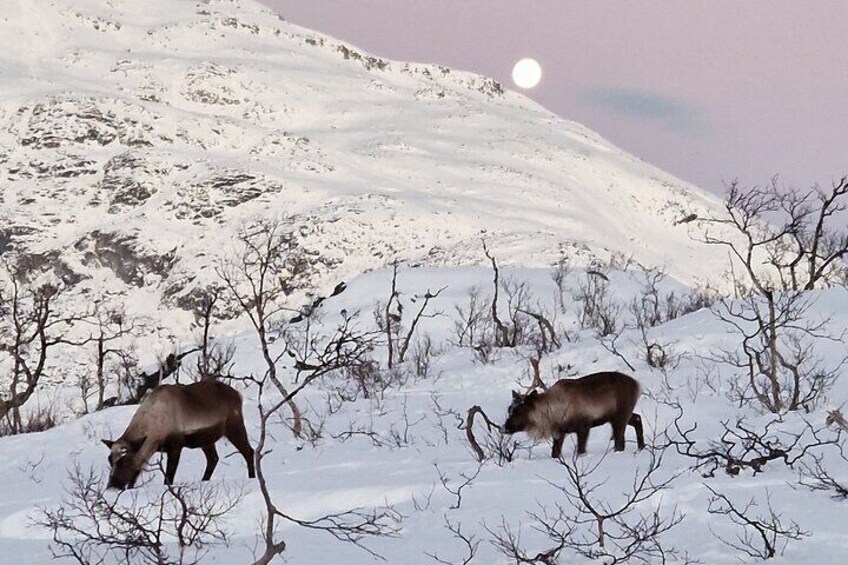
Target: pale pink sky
[[709, 90]]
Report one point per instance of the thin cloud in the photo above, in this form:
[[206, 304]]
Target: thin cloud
[[671, 113]]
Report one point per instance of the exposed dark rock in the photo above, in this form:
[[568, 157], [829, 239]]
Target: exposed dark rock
[[62, 166], [485, 85], [98, 23], [490, 87], [190, 298], [130, 179], [209, 83], [10, 235], [207, 198], [125, 257], [687, 219], [235, 23], [303, 265], [30, 265], [58, 121], [299, 153], [366, 61]]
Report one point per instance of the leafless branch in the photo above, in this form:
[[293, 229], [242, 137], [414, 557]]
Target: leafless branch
[[762, 537], [742, 446], [467, 479], [470, 543]]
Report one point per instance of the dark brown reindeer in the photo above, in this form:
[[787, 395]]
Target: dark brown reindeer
[[575, 406], [176, 416]]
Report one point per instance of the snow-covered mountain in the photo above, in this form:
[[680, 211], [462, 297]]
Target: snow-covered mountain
[[137, 137]]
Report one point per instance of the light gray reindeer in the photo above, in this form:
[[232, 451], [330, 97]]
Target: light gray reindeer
[[176, 416], [576, 406]]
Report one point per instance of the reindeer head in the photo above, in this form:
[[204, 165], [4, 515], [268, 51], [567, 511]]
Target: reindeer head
[[124, 461], [518, 414]]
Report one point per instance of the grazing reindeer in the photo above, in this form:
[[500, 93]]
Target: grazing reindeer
[[576, 405], [176, 416]]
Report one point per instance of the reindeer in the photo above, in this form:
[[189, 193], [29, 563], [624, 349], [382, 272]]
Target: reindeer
[[176, 416], [576, 405]]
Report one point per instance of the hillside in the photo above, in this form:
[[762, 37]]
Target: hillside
[[398, 445], [136, 138]]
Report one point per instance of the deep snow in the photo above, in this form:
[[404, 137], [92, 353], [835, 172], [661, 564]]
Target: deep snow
[[335, 475]]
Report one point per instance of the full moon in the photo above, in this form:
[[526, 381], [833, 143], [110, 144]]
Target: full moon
[[526, 73]]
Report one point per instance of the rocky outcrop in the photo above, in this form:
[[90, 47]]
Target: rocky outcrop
[[128, 259], [65, 120]]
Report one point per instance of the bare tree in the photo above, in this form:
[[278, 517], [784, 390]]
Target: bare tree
[[319, 357], [214, 360], [817, 477], [350, 370], [259, 277], [649, 307], [31, 325], [110, 329], [597, 310], [777, 359], [504, 337], [422, 357], [462, 482], [559, 274], [472, 324], [800, 239], [389, 318], [657, 353], [818, 241], [176, 526], [802, 235], [610, 342], [516, 328]]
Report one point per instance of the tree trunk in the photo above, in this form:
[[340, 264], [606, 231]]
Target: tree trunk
[[772, 345]]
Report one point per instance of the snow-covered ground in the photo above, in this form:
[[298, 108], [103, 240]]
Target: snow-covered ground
[[401, 465]]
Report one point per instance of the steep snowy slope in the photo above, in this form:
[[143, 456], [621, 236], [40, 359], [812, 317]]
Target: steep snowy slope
[[136, 137]]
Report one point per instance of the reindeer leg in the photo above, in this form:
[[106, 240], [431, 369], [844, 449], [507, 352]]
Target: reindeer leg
[[211, 461], [237, 435], [636, 423], [556, 449], [173, 461], [582, 439], [618, 427]]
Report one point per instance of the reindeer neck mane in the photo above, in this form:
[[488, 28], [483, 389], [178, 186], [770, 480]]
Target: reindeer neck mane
[[546, 414]]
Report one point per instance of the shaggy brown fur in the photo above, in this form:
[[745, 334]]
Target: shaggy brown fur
[[176, 416], [577, 405]]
